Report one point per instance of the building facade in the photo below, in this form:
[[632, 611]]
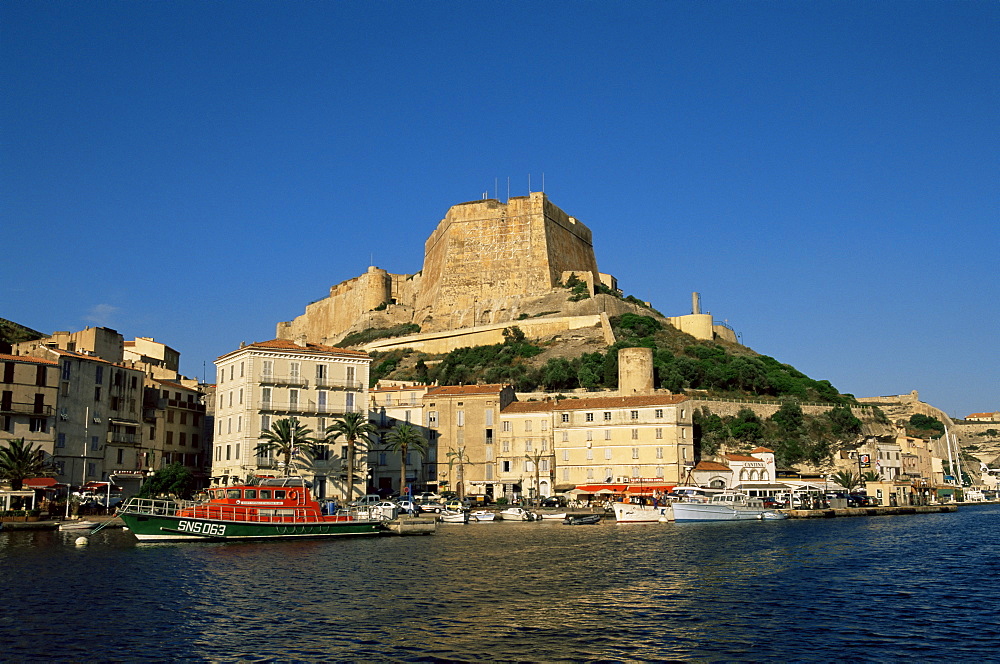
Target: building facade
[[28, 393], [261, 383]]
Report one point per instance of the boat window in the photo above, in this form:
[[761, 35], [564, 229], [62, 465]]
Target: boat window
[[250, 493], [280, 495], [233, 493], [265, 494], [219, 494]]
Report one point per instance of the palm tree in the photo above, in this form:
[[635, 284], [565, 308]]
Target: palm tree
[[402, 438], [351, 427], [871, 476], [287, 437], [19, 461], [458, 456], [846, 479]]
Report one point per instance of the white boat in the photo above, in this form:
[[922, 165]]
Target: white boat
[[77, 525], [516, 514], [482, 515], [453, 516], [728, 506], [547, 516], [634, 513]]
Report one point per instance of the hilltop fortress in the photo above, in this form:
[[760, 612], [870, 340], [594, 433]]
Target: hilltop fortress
[[486, 266]]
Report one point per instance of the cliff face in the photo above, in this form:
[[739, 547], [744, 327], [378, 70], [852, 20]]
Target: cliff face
[[487, 262]]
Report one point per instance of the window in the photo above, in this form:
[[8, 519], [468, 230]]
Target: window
[[565, 474], [321, 401], [607, 453], [350, 374], [489, 417], [37, 424], [460, 418], [590, 453], [183, 440], [659, 452], [565, 436], [170, 438], [635, 452], [527, 425], [293, 369], [239, 425], [267, 369], [489, 453], [265, 397], [489, 471], [590, 474], [121, 456], [231, 367], [237, 451], [565, 455], [241, 396], [406, 416], [61, 440], [505, 425], [241, 369], [505, 446], [230, 400], [635, 471], [658, 412], [564, 417], [98, 375], [349, 402], [97, 394], [607, 416], [590, 435], [529, 466], [320, 372], [95, 443], [659, 432], [527, 445], [228, 452], [67, 365], [634, 414], [590, 417], [432, 418], [659, 472], [545, 444], [293, 399], [607, 434], [505, 466], [184, 419]]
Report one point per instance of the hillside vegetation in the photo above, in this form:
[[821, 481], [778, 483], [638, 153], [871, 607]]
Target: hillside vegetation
[[681, 364]]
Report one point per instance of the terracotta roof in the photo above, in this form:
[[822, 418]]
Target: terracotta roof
[[980, 415], [287, 344], [619, 402], [457, 390], [762, 450], [28, 359], [740, 457], [82, 356], [529, 407], [711, 465], [178, 386]]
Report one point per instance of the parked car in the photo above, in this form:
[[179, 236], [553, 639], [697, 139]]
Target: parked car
[[427, 497], [553, 501], [770, 502], [367, 500], [408, 507]]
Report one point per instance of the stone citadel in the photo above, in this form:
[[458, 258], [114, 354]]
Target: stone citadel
[[486, 265]]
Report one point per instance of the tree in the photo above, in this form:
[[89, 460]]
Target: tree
[[402, 438], [20, 461], [458, 457], [847, 479], [287, 437], [174, 478], [351, 427], [871, 476]]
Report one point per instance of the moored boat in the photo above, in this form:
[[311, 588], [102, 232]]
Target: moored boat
[[277, 509], [77, 525], [728, 506], [582, 519], [517, 514], [453, 516], [482, 515], [550, 515], [635, 513]]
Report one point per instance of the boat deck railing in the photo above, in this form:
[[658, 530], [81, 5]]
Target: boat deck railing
[[162, 507]]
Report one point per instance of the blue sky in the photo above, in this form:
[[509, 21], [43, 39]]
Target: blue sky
[[824, 173]]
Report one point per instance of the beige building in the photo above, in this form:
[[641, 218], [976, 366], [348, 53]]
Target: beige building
[[28, 393], [261, 383], [629, 439], [462, 421], [174, 423], [391, 403]]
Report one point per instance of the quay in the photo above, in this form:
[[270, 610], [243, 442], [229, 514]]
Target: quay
[[830, 513]]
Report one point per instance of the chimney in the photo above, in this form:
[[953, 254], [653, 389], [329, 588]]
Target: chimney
[[300, 340]]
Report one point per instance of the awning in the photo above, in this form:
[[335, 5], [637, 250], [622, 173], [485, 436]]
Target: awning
[[39, 482]]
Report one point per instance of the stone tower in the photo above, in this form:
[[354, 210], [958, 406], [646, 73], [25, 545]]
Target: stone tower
[[635, 371]]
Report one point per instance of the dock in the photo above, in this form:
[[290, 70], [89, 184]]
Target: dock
[[831, 513]]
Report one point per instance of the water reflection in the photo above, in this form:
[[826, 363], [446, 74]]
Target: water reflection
[[864, 588]]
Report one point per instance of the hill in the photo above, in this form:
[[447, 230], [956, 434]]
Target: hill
[[11, 333]]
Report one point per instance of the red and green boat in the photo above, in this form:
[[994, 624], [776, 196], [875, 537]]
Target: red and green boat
[[278, 509]]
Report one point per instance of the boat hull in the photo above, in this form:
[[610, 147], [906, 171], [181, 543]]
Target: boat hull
[[629, 513], [710, 512], [151, 527]]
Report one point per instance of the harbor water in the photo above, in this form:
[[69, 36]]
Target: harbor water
[[851, 589]]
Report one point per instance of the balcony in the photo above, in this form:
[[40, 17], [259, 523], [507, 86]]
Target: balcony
[[330, 383], [15, 408], [123, 439], [308, 408], [273, 379]]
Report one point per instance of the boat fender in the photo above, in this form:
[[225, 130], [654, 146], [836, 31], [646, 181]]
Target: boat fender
[[82, 541]]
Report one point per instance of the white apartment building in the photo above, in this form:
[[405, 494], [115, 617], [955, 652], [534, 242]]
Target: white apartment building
[[263, 382]]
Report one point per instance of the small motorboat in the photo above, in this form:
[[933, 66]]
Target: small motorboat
[[516, 514], [482, 515], [453, 516], [582, 520], [77, 525], [558, 516]]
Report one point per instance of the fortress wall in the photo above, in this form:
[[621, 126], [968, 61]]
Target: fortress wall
[[446, 341], [569, 245], [488, 250], [333, 316]]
